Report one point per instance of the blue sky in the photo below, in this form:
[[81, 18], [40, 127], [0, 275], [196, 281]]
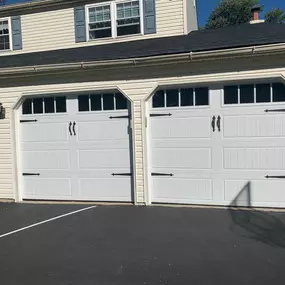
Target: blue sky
[[206, 6]]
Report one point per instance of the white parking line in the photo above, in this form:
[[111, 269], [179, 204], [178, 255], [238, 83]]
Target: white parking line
[[46, 221]]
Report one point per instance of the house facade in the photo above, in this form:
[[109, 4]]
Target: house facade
[[125, 101]]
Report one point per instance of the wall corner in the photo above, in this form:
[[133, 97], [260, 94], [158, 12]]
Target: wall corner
[[190, 16]]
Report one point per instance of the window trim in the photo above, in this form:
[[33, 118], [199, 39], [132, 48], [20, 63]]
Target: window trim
[[10, 34], [113, 10]]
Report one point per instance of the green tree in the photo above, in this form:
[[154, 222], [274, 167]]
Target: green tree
[[276, 16], [231, 12]]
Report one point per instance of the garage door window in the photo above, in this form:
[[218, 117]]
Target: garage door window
[[187, 97], [254, 93], [246, 94], [158, 99], [263, 93], [44, 105], [121, 102], [201, 96], [278, 92], [96, 103], [172, 98], [231, 94], [49, 105], [102, 102], [181, 97]]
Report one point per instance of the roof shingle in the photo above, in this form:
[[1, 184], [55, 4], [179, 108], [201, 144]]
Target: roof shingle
[[203, 40]]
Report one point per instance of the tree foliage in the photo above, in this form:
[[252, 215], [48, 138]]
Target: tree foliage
[[231, 12], [276, 16]]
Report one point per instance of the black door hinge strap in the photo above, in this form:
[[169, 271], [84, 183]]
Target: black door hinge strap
[[122, 174], [119, 117], [27, 121], [276, 177], [274, 110], [162, 174], [160, 115]]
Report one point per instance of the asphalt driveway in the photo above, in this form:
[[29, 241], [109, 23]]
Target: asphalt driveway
[[127, 245]]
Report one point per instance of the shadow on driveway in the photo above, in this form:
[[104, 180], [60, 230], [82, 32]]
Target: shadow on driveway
[[261, 226]]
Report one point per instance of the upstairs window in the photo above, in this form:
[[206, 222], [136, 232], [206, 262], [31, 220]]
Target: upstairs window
[[118, 18], [128, 18], [4, 34], [100, 25]]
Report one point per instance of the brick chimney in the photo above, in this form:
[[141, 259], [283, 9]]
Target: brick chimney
[[255, 10]]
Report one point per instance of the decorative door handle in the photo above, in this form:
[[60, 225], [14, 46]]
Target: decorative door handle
[[74, 124], [69, 128], [219, 123], [214, 123]]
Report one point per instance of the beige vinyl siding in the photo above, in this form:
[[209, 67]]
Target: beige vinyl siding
[[6, 169], [55, 29], [48, 30], [169, 17]]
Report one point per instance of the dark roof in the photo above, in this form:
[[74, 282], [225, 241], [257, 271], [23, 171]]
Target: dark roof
[[204, 40]]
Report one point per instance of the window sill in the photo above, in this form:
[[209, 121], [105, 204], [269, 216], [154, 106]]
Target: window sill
[[116, 38], [5, 50]]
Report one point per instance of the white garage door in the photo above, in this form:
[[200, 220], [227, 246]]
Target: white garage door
[[219, 147], [76, 148]]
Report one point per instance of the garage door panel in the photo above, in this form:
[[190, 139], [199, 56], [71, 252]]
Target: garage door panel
[[253, 148], [182, 155], [101, 172], [254, 126], [46, 160], [180, 143], [254, 158], [46, 147], [253, 143], [104, 158], [237, 143], [189, 158], [105, 189], [254, 192], [181, 127], [103, 130], [47, 188], [45, 132], [68, 155], [105, 144], [175, 190]]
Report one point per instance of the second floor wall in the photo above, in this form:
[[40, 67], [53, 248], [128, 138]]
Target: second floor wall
[[97, 23]]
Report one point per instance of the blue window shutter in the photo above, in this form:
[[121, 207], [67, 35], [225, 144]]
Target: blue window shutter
[[149, 17], [16, 32], [79, 24]]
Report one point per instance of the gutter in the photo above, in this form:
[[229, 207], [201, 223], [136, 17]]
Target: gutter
[[144, 61]]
